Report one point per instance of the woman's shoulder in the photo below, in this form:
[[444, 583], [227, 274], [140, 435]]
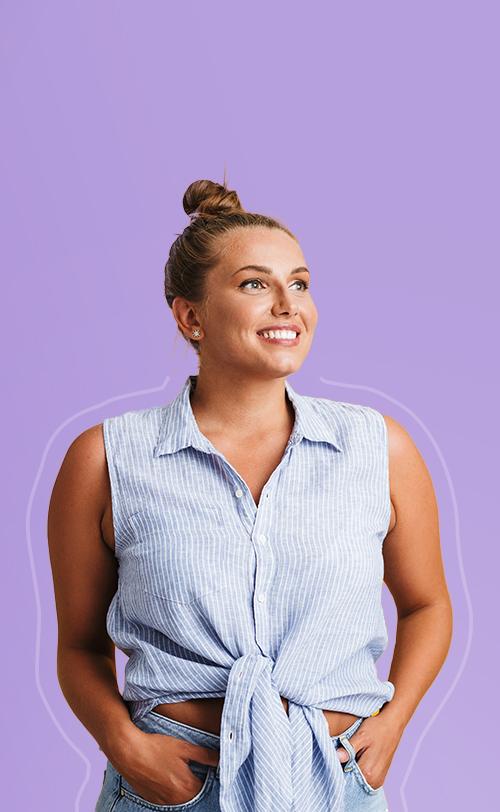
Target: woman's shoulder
[[347, 423], [134, 419], [130, 431], [343, 409]]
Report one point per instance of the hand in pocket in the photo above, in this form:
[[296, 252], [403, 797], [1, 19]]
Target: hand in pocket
[[157, 769], [374, 742]]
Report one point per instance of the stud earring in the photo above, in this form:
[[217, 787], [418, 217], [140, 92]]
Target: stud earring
[[196, 333]]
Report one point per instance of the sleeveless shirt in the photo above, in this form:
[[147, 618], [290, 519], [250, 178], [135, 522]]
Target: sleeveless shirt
[[219, 597]]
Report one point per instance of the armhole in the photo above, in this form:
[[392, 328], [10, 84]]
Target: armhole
[[386, 477], [116, 506]]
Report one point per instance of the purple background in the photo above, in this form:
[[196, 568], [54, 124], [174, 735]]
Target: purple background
[[372, 131]]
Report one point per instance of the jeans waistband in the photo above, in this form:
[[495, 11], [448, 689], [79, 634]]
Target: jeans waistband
[[153, 722]]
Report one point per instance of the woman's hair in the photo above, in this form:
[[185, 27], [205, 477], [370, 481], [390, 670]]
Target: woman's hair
[[215, 211]]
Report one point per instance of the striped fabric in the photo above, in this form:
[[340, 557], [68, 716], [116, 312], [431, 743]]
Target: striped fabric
[[220, 597]]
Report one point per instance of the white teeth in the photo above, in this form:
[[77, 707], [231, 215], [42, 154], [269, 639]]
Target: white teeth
[[278, 333]]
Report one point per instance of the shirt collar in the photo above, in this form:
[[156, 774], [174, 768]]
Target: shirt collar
[[179, 428]]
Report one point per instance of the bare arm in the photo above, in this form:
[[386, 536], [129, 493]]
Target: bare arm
[[85, 577], [85, 574], [415, 577]]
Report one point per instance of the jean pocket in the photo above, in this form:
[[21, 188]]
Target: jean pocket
[[352, 765], [136, 801], [363, 781], [109, 794]]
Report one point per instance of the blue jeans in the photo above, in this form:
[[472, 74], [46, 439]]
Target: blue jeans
[[117, 795], [359, 795]]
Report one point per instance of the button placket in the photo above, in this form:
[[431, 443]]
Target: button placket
[[263, 551], [261, 540]]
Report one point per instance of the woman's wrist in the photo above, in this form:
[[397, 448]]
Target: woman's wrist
[[396, 713], [121, 744]]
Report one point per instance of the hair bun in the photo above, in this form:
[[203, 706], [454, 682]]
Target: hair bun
[[207, 198]]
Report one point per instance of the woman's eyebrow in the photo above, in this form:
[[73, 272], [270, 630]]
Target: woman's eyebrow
[[264, 269]]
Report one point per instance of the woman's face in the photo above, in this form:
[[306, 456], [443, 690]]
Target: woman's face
[[240, 303]]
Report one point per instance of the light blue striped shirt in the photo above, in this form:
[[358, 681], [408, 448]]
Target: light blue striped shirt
[[220, 597]]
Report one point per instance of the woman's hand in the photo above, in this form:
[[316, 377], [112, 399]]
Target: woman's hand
[[156, 766], [376, 739]]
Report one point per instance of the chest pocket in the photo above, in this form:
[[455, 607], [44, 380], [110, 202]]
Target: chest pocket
[[178, 552]]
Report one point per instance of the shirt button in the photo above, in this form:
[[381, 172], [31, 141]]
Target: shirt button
[[238, 492], [262, 538], [261, 597]]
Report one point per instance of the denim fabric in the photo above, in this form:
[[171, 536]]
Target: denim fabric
[[117, 795], [120, 796], [359, 795]]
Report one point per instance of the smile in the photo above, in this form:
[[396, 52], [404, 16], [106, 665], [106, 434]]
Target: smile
[[288, 338]]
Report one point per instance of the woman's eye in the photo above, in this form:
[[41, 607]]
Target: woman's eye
[[250, 281]]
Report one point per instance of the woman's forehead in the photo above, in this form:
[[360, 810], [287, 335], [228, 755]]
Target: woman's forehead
[[271, 248]]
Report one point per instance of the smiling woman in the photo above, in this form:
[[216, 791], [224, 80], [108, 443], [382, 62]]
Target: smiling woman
[[236, 300], [233, 543], [234, 297]]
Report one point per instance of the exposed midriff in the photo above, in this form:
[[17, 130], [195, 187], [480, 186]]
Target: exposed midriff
[[206, 714]]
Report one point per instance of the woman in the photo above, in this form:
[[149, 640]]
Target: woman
[[233, 544]]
